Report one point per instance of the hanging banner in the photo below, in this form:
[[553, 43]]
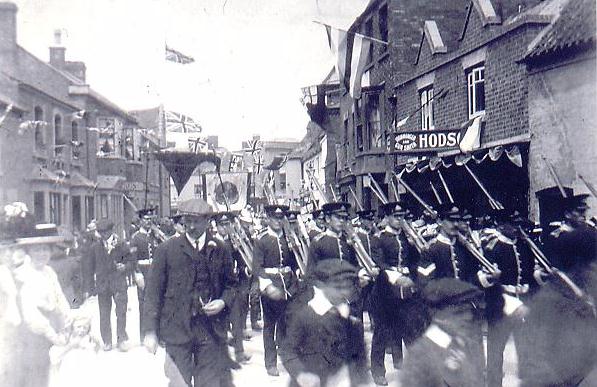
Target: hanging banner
[[423, 141], [232, 189]]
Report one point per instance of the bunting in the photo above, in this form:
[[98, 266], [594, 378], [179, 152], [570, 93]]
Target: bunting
[[172, 55]]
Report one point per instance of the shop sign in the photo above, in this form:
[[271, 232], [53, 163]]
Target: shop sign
[[423, 141]]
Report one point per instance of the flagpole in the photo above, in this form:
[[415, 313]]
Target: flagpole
[[354, 33]]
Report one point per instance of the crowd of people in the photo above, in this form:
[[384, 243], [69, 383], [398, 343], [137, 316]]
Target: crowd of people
[[443, 291]]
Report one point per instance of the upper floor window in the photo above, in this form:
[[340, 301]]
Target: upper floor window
[[383, 25], [369, 33], [58, 140], [359, 142], [38, 115], [373, 121], [75, 131], [427, 108], [476, 90]]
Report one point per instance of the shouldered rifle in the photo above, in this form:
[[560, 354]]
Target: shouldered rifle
[[239, 242], [363, 256], [294, 243]]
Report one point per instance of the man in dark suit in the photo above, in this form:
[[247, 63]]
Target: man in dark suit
[[320, 346], [275, 267], [111, 260], [190, 290]]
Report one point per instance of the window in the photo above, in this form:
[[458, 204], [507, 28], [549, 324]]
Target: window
[[58, 140], [369, 33], [76, 212], [55, 208], [89, 209], [359, 134], [383, 26], [103, 206], [346, 142], [476, 90], [373, 122], [75, 138], [427, 108], [282, 181], [39, 207], [38, 115]]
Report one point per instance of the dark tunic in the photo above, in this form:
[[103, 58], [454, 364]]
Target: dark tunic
[[451, 261]]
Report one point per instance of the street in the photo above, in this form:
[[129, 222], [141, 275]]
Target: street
[[138, 367]]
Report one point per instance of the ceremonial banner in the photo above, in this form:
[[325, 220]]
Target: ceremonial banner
[[233, 189], [423, 141]]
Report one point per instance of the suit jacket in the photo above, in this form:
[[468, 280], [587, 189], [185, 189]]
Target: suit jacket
[[172, 295], [107, 278], [320, 344]]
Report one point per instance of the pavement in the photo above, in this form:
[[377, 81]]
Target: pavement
[[138, 367]]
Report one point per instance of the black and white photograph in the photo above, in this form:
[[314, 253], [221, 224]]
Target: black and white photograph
[[298, 193]]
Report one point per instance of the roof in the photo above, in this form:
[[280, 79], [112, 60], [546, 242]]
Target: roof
[[78, 180], [147, 118], [575, 27], [110, 182], [310, 144]]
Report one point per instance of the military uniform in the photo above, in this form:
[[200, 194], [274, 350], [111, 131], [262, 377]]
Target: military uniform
[[143, 246], [331, 245], [274, 263]]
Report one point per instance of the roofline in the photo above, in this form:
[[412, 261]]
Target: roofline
[[359, 20], [86, 90]]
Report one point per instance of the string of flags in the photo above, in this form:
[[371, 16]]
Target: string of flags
[[172, 55]]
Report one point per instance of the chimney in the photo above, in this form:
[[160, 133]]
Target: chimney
[[58, 51], [8, 26]]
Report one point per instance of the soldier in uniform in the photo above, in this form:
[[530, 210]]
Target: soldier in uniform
[[111, 262], [143, 244], [506, 291], [318, 346], [447, 352], [562, 322], [188, 296], [275, 267], [319, 225], [238, 311], [367, 228], [393, 298]]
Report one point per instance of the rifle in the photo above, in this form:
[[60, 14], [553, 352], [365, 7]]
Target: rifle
[[295, 245], [240, 241], [493, 202], [363, 256], [418, 241]]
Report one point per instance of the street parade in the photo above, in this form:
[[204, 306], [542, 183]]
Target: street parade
[[436, 224]]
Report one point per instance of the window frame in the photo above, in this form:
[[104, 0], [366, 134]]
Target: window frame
[[472, 85], [427, 109], [370, 123], [383, 25]]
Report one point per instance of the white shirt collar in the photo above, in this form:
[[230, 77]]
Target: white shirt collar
[[391, 230], [199, 243], [274, 233], [331, 233], [321, 305]]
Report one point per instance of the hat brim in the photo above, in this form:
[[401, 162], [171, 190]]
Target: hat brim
[[41, 240]]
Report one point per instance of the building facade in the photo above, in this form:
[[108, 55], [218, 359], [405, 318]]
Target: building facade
[[65, 150]]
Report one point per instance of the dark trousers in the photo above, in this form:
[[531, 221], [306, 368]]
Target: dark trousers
[[141, 298], [385, 335], [199, 363], [272, 312], [105, 308], [254, 303], [238, 314]]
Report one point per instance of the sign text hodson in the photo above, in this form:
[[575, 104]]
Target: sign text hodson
[[422, 141]]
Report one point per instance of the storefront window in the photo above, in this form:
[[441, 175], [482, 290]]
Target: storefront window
[[374, 136]]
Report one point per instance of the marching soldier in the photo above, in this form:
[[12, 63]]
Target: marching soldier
[[238, 311], [275, 266], [366, 228], [318, 224], [562, 323], [393, 299], [188, 296], [247, 221], [143, 244], [318, 347], [507, 291]]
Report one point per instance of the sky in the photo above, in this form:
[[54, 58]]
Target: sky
[[252, 57]]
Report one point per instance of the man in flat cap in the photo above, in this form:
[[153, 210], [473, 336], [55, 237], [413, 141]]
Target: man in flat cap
[[111, 261], [275, 267], [190, 290], [320, 345], [447, 352]]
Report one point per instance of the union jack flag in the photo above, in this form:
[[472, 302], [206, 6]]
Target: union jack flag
[[197, 144], [257, 162], [253, 146], [176, 122], [177, 57], [236, 163]]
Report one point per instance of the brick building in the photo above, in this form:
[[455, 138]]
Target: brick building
[[448, 66], [65, 150]]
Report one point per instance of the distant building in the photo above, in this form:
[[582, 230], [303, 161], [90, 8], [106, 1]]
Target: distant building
[[65, 150]]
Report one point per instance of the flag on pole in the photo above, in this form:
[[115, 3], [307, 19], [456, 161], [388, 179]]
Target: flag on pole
[[177, 57], [197, 145], [253, 146], [470, 135], [257, 162], [176, 122], [338, 41], [360, 53]]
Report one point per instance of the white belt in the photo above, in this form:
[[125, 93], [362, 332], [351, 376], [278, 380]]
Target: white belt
[[144, 262], [277, 270], [516, 290], [400, 269]]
